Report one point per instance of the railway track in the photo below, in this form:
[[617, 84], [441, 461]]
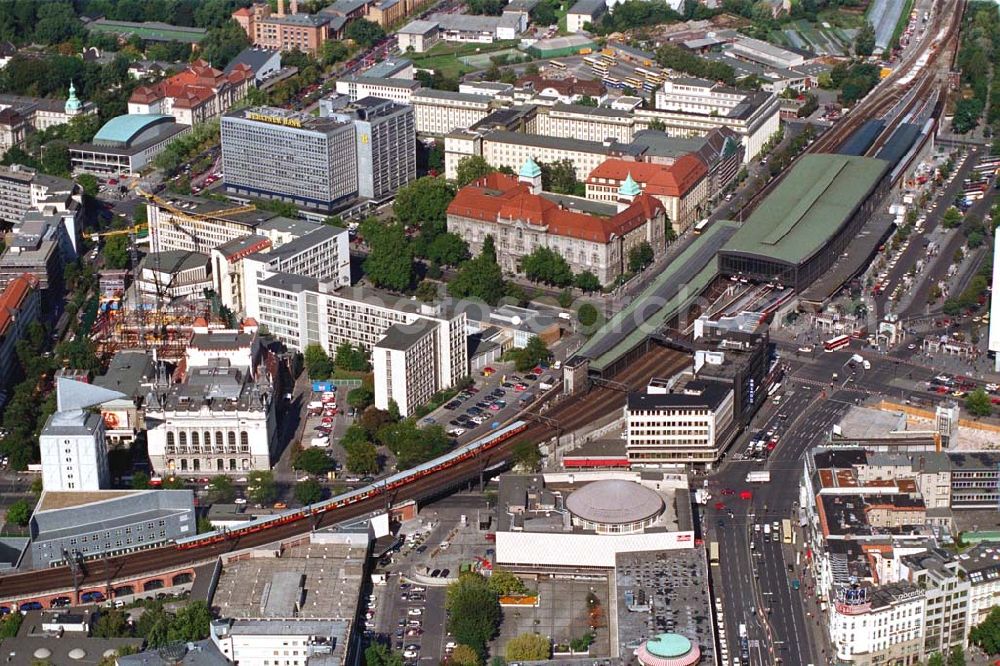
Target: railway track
[[567, 415]]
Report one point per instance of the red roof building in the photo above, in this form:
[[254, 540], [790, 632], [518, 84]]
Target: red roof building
[[195, 95], [520, 218], [566, 91], [682, 187], [19, 306]]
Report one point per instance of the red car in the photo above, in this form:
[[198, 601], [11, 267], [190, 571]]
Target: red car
[[719, 506], [728, 491], [746, 495]]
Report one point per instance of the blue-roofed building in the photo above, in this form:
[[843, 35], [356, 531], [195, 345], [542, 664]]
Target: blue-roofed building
[[126, 144]]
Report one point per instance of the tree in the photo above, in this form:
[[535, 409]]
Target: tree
[[480, 277], [587, 281], [318, 363], [223, 43], [448, 249], [587, 315], [503, 583], [89, 184], [309, 491], [313, 461], [534, 353], [471, 169], [528, 647], [360, 398], [351, 358], [221, 489], [364, 32], [379, 654], [424, 203], [334, 51], [362, 457], [986, 635], [10, 624], [936, 659], [952, 218], [463, 655], [261, 487], [978, 403], [111, 623], [560, 177], [640, 256], [957, 656], [864, 41], [427, 291], [473, 612], [527, 456], [390, 258], [140, 481], [115, 252], [19, 512], [190, 624], [547, 266], [412, 445]]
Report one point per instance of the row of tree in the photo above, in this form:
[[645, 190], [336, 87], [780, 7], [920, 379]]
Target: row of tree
[[157, 625], [348, 357], [978, 52]]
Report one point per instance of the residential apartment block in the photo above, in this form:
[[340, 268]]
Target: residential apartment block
[[281, 31], [195, 95], [20, 304], [520, 218], [405, 361], [273, 153]]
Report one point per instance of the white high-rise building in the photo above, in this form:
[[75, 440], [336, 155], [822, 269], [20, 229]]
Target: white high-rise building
[[74, 453]]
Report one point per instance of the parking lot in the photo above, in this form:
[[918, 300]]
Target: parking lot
[[498, 395]]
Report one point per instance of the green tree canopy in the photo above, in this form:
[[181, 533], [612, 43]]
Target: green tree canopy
[[503, 582], [534, 353], [560, 177], [362, 457], [360, 398], [379, 654], [352, 358], [547, 266], [473, 612], [318, 363], [587, 281], [19, 512], [390, 259], [978, 403], [424, 202], [221, 489], [314, 461], [471, 169], [480, 277], [448, 249], [463, 655], [309, 491], [527, 455], [88, 182], [864, 40], [587, 314], [364, 32], [640, 256], [261, 487], [528, 647], [412, 445]]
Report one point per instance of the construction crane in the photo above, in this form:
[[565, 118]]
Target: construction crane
[[178, 212], [137, 229]]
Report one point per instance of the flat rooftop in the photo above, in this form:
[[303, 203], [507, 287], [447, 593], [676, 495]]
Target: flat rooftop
[[267, 586], [808, 208]]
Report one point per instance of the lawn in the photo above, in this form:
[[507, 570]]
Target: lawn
[[444, 56]]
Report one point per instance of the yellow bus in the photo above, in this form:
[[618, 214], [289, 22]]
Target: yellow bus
[[786, 530], [558, 65], [713, 553]]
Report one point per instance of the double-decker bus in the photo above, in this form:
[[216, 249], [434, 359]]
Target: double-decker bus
[[786, 530], [713, 553], [839, 342]]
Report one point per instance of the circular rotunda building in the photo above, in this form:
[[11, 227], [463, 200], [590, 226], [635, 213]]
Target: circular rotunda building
[[668, 650], [614, 507]]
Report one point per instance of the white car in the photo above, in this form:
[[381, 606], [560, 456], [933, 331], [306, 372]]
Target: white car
[[806, 349], [456, 432], [450, 645], [415, 612], [410, 654]]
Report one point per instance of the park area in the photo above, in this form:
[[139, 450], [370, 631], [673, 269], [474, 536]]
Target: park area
[[456, 60]]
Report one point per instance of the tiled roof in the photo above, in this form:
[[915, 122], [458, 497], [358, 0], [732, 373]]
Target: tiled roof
[[675, 180], [500, 197], [13, 297], [192, 87], [567, 86]]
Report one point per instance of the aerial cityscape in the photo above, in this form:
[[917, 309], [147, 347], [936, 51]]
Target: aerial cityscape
[[499, 332]]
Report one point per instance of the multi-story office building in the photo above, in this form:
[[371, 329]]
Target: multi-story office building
[[691, 107], [221, 418], [440, 111], [884, 625], [400, 91], [24, 190], [199, 225], [301, 311], [405, 365], [575, 121], [131, 373], [519, 218], [34, 250], [385, 144], [323, 254], [90, 525], [273, 153], [195, 95], [690, 425], [946, 598], [20, 303]]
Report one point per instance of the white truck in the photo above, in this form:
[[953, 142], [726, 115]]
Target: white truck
[[858, 358], [759, 477]]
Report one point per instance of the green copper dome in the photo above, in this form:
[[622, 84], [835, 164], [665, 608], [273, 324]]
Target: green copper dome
[[530, 169], [73, 104], [629, 188], [669, 645]]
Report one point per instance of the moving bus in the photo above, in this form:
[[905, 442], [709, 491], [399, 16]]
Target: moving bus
[[786, 530], [557, 64], [839, 342], [713, 553], [700, 226]]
